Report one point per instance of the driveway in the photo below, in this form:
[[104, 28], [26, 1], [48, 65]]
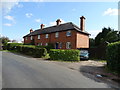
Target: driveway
[[26, 72]]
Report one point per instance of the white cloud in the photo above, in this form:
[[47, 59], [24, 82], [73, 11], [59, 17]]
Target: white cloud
[[7, 24], [54, 23], [7, 6], [110, 12], [94, 33], [37, 20], [28, 15], [9, 18]]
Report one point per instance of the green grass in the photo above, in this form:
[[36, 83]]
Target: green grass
[[104, 61]]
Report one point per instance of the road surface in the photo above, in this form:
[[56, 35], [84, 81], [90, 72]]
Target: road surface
[[26, 72]]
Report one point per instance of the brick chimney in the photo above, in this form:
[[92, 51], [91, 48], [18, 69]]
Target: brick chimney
[[31, 30], [82, 23], [42, 26], [58, 22]]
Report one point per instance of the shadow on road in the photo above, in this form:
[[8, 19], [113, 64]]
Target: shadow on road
[[91, 72], [98, 74]]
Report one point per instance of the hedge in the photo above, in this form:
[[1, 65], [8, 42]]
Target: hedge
[[28, 49], [113, 56], [11, 46], [66, 55], [48, 47]]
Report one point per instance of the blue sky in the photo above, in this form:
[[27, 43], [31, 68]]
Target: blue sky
[[19, 17]]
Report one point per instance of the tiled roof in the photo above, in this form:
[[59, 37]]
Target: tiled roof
[[57, 28]]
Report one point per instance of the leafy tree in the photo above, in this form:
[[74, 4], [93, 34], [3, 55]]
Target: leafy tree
[[108, 35], [92, 42], [111, 36], [98, 39], [14, 41], [4, 40]]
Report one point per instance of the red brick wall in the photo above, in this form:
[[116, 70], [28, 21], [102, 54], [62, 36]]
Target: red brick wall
[[27, 41], [42, 39], [82, 41], [77, 39], [63, 39]]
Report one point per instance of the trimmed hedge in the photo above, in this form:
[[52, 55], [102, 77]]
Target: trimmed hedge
[[66, 55], [113, 56], [11, 46], [48, 47], [28, 50]]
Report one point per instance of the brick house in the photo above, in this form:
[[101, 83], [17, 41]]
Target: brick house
[[63, 36]]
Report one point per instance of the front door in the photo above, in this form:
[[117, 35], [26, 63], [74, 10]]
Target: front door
[[56, 45]]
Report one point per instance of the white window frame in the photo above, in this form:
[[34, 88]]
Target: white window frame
[[41, 44], [60, 45], [38, 44], [46, 36], [68, 33], [57, 34], [26, 38], [46, 44], [38, 36], [68, 45], [31, 38]]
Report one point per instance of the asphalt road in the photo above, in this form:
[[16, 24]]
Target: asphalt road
[[25, 72]]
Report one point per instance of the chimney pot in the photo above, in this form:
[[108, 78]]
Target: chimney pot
[[42, 26], [58, 22], [82, 23], [31, 30]]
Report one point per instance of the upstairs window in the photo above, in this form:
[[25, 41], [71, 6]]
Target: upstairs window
[[68, 33], [38, 36], [46, 36], [57, 34], [31, 37], [68, 45]]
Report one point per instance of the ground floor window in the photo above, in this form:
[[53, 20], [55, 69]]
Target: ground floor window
[[60, 45], [39, 44], [46, 44], [68, 45]]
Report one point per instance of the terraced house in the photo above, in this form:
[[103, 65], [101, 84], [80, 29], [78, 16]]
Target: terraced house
[[63, 36]]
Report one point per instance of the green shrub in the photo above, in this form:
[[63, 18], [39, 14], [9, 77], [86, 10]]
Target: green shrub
[[113, 57], [40, 52], [66, 55], [12, 46], [50, 46], [27, 49]]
